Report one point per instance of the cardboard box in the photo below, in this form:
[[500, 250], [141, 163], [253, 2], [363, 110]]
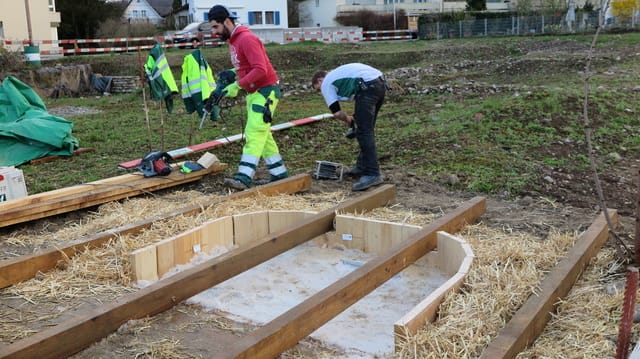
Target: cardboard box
[[12, 184], [207, 160]]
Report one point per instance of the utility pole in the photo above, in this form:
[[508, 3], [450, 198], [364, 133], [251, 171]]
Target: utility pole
[[394, 14], [26, 7]]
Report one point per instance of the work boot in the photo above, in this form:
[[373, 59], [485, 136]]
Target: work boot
[[235, 184], [354, 172], [366, 182]]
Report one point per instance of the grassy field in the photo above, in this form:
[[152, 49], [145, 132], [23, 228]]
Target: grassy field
[[490, 113]]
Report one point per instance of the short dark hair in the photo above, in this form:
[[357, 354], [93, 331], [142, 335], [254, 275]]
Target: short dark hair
[[316, 76], [219, 13]]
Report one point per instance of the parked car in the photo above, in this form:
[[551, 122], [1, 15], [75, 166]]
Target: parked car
[[195, 34]]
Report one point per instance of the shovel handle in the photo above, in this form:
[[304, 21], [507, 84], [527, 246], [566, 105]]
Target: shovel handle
[[204, 115]]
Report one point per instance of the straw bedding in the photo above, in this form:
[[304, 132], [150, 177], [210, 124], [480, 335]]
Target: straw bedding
[[508, 267]]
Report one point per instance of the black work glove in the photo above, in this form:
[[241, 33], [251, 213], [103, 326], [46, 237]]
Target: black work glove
[[208, 104]]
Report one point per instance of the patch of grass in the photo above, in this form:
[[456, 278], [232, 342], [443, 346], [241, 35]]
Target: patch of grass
[[493, 141]]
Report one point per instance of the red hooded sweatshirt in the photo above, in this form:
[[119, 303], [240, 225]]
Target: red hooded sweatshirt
[[250, 60]]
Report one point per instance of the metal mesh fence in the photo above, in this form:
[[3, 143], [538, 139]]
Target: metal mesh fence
[[522, 25]]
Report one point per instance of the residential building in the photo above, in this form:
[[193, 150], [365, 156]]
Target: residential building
[[34, 20], [257, 14], [141, 11], [153, 11], [316, 13]]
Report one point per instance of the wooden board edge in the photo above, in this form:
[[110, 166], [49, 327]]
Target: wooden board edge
[[87, 327], [25, 267], [529, 321], [286, 330]]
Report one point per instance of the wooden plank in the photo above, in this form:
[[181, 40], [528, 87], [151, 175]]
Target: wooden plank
[[90, 192], [87, 327], [286, 330], [454, 258], [279, 220], [529, 321], [248, 227], [101, 194], [46, 159], [166, 256], [184, 244], [62, 192], [181, 249], [369, 235], [350, 232], [144, 264], [89, 200], [380, 236], [453, 252], [426, 310], [217, 233], [25, 267]]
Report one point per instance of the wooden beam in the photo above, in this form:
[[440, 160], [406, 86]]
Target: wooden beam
[[89, 195], [25, 267], [454, 259], [85, 328], [286, 330], [46, 159], [529, 321]]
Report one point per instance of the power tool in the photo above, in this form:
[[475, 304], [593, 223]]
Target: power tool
[[351, 132], [155, 163], [212, 105]]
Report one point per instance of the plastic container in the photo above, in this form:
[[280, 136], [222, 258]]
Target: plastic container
[[32, 55], [12, 184]]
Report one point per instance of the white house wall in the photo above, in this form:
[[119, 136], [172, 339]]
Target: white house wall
[[314, 13], [140, 10], [199, 9], [44, 23], [317, 13]]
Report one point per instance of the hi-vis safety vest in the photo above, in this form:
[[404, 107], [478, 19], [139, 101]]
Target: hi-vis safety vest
[[197, 82], [160, 77]]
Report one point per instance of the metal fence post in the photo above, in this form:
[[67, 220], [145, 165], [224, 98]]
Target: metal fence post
[[486, 33], [460, 29]]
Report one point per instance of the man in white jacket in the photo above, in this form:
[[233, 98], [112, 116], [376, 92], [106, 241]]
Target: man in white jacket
[[366, 86]]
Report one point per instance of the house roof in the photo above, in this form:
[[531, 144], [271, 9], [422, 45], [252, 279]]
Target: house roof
[[163, 7]]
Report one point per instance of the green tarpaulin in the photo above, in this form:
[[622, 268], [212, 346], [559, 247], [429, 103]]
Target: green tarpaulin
[[27, 130]]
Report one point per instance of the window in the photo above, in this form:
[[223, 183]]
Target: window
[[272, 17], [52, 6], [143, 13], [135, 13], [255, 18], [317, 3], [269, 17]]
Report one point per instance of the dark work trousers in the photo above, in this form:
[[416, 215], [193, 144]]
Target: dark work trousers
[[368, 101]]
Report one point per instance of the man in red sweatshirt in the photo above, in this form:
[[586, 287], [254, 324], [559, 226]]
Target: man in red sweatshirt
[[257, 77]]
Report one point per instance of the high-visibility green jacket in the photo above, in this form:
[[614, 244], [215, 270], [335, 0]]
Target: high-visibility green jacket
[[160, 77], [197, 82]]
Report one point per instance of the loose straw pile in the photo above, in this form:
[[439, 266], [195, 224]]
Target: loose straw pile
[[508, 268]]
